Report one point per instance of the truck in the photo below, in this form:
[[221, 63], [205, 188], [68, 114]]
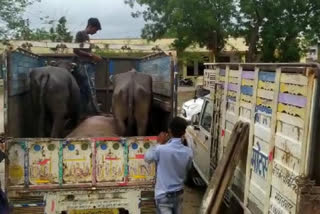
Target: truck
[[278, 172], [97, 175]]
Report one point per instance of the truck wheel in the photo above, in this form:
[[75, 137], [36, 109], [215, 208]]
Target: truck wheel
[[194, 179]]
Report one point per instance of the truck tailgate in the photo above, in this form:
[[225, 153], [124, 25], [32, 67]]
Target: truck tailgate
[[108, 169]]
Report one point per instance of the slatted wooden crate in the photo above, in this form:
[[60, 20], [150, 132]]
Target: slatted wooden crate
[[279, 101], [209, 79]]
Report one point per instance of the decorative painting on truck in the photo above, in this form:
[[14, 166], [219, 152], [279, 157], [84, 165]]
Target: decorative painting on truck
[[17, 153], [139, 170], [278, 102], [110, 159], [44, 163], [77, 162]]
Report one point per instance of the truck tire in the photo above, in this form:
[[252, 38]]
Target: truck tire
[[193, 179]]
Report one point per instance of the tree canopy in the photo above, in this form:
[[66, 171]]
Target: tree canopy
[[11, 19], [280, 29], [61, 33], [203, 22], [275, 30], [14, 26], [57, 33]]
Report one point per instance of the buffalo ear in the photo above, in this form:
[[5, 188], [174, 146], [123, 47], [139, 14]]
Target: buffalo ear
[[111, 78], [53, 63], [73, 66]]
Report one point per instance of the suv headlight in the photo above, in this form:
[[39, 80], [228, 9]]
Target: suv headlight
[[184, 113]]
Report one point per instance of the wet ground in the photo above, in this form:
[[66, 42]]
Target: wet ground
[[192, 200]]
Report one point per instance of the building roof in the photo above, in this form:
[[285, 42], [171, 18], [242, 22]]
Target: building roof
[[232, 45]]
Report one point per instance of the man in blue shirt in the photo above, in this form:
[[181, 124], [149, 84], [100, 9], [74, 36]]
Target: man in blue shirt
[[173, 161]]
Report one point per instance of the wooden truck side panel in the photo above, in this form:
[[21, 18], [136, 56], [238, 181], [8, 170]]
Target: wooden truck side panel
[[278, 100]]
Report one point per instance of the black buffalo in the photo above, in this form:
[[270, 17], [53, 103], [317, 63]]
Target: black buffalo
[[55, 97], [131, 102]]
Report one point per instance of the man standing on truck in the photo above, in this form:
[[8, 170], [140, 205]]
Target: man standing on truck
[[173, 161], [86, 68]]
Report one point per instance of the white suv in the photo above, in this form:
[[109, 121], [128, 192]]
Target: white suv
[[191, 107], [194, 106]]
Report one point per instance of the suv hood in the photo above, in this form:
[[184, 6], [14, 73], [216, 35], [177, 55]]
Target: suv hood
[[193, 103]]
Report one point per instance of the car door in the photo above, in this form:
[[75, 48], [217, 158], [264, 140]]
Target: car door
[[203, 140]]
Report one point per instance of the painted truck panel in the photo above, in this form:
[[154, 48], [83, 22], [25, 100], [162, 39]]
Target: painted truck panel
[[78, 175], [278, 100], [42, 163]]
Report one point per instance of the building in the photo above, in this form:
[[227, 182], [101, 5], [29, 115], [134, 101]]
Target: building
[[313, 54], [191, 62]]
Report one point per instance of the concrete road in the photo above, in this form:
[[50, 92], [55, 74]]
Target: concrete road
[[192, 200]]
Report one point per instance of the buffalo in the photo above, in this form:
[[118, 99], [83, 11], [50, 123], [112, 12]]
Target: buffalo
[[131, 102], [96, 126], [55, 97]]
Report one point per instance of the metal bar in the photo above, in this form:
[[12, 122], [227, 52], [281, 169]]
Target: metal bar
[[94, 162], [24, 51], [316, 65], [107, 92], [62, 45], [309, 108], [26, 164], [126, 160], [7, 90], [266, 64], [87, 187], [60, 163], [44, 187], [173, 77]]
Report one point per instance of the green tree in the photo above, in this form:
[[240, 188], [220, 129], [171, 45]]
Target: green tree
[[61, 33], [58, 33], [11, 20], [278, 28], [250, 20], [203, 22]]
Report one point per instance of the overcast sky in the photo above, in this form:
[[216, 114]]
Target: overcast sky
[[114, 15]]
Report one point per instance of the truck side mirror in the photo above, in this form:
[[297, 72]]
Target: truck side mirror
[[195, 120]]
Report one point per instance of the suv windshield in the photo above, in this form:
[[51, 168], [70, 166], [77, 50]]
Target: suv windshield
[[207, 116]]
